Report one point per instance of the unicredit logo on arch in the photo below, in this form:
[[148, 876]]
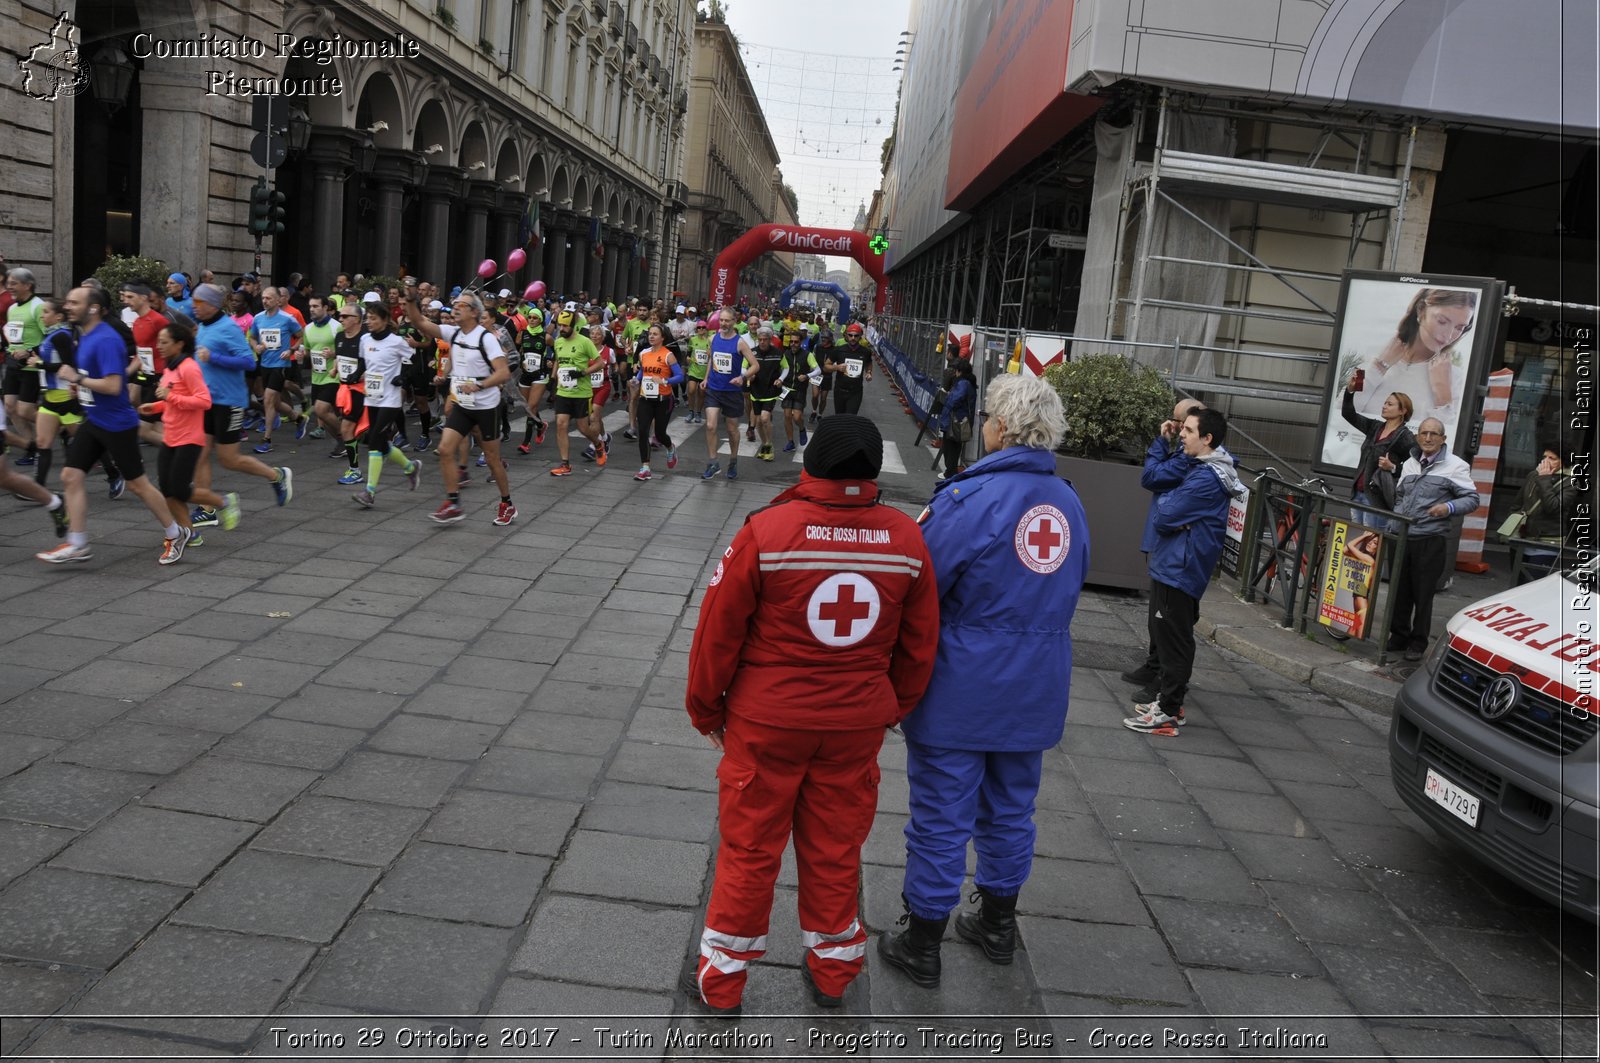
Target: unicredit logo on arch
[[809, 241]]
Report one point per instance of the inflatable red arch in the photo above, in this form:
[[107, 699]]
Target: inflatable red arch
[[763, 238]]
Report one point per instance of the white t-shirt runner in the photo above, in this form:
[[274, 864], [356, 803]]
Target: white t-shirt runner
[[472, 356], [384, 355]]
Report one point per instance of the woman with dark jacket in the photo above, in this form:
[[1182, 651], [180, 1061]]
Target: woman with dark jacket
[[1387, 437], [957, 409]]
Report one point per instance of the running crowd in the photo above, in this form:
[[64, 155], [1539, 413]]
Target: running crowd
[[192, 371]]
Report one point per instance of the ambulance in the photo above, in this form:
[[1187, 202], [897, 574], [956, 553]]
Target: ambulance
[[1493, 741]]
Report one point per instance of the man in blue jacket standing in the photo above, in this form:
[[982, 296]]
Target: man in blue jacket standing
[[1190, 524], [1165, 465], [1010, 548]]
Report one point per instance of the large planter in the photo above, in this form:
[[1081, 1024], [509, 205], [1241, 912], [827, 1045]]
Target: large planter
[[1116, 506]]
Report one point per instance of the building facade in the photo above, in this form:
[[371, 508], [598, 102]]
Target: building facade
[[1191, 192], [418, 136], [730, 172]]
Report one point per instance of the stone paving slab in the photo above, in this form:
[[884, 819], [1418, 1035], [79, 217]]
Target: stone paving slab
[[461, 884]]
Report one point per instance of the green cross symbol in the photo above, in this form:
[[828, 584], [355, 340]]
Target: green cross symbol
[[878, 244]]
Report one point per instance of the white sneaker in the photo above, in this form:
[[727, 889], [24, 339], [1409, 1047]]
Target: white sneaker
[[1151, 718], [64, 554]]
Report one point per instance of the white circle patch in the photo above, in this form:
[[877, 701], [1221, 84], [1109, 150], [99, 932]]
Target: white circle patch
[[1043, 539], [843, 609]]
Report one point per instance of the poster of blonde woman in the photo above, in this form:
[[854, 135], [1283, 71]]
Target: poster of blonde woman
[[1424, 338]]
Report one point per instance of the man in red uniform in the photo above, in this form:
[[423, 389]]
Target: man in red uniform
[[824, 569]]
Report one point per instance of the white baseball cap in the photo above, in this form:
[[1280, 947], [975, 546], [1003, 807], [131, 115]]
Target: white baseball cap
[[372, 297], [435, 305], [680, 308], [505, 293]]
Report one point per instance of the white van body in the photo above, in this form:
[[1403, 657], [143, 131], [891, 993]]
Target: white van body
[[1494, 740]]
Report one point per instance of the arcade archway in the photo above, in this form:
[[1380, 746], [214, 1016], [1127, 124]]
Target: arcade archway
[[763, 238]]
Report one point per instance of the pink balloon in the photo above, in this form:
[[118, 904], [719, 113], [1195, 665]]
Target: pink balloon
[[487, 268], [534, 291], [516, 260]]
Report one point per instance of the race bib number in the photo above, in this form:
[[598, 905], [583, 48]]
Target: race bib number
[[347, 367], [85, 397], [566, 377], [650, 387], [147, 359], [597, 378], [13, 332], [374, 386], [272, 338], [722, 362], [464, 398], [815, 377], [852, 367], [700, 357], [319, 362]]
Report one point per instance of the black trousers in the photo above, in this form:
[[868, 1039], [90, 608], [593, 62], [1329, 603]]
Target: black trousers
[[1414, 587], [1172, 618], [950, 450]]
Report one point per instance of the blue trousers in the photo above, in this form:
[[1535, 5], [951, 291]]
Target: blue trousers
[[961, 795]]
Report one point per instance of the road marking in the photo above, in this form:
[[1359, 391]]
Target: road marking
[[891, 457]]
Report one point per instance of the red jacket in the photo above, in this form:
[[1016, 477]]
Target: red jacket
[[822, 616]]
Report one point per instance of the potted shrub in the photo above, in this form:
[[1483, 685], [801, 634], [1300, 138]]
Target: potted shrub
[[118, 270], [1114, 407]]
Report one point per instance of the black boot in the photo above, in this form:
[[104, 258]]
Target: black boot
[[915, 950], [993, 927]]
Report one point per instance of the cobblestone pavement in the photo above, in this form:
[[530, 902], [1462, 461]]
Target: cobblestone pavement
[[340, 769]]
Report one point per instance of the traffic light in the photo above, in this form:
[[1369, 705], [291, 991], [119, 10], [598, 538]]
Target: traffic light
[[275, 215], [260, 207]]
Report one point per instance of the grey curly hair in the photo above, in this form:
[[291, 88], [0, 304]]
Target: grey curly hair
[[1030, 408]]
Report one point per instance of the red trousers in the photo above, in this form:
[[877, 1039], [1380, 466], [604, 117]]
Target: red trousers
[[822, 786]]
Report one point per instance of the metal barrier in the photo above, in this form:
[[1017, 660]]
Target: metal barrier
[[1265, 439], [1290, 553]]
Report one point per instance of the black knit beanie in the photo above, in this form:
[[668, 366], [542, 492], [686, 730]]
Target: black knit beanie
[[845, 447]]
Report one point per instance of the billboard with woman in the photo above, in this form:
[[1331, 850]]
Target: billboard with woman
[[1424, 337]]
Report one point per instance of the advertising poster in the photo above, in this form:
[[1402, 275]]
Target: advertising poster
[[1426, 338], [1348, 578], [1233, 541]]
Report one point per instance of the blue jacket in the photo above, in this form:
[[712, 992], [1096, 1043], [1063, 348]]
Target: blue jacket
[[1165, 466], [1004, 667], [957, 405], [230, 356], [1191, 521]]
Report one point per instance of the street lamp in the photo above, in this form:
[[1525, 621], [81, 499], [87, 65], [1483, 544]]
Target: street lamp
[[111, 76], [299, 130]]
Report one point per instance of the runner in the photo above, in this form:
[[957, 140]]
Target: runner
[[849, 365], [383, 359], [699, 361], [658, 372], [575, 360], [601, 383], [802, 369], [181, 401], [321, 336], [112, 426], [767, 386], [822, 352], [23, 334], [272, 336], [477, 368], [224, 356], [725, 392], [58, 410], [348, 397], [534, 376], [143, 376]]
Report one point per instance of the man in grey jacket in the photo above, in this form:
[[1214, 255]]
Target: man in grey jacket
[[1434, 488]]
